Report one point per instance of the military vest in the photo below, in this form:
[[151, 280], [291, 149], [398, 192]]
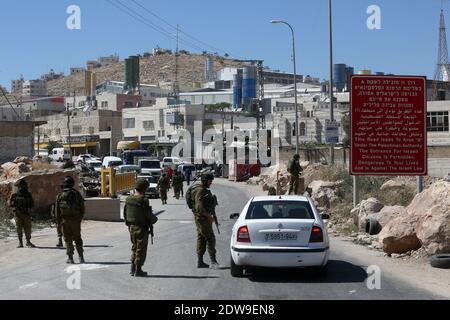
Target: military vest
[[137, 210], [69, 204], [203, 199], [22, 201]]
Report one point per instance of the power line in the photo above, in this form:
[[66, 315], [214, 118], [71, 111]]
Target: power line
[[181, 31], [137, 16]]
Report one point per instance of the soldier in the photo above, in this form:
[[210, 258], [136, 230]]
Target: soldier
[[139, 218], [69, 213], [22, 202], [294, 169], [58, 227], [163, 186], [203, 209], [177, 184]]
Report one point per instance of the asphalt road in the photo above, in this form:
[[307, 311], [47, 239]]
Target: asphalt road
[[41, 273]]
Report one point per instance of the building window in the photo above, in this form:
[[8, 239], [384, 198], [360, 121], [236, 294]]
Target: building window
[[163, 133], [437, 121], [129, 123], [161, 118], [91, 130], [104, 104], [148, 125], [302, 129], [128, 104], [148, 138], [58, 131], [76, 129]]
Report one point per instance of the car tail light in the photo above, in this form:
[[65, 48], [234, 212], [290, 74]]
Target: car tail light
[[243, 235], [316, 235]]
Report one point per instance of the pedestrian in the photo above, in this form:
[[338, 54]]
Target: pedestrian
[[203, 209], [188, 175], [170, 172], [294, 170], [163, 186], [139, 218], [21, 202], [177, 184], [69, 213]]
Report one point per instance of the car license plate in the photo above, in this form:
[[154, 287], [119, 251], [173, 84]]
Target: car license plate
[[281, 236]]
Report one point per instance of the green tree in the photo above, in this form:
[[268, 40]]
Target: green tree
[[52, 145], [218, 106]]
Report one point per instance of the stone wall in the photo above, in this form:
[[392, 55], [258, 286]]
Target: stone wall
[[16, 138]]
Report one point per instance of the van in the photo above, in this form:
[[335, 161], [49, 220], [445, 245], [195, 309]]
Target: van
[[59, 154], [171, 162], [112, 162]]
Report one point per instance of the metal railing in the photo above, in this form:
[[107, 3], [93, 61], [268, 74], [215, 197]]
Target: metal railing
[[113, 183]]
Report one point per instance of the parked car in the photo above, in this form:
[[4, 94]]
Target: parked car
[[279, 232], [171, 162], [83, 158], [95, 165], [152, 191], [150, 167], [112, 162], [59, 154], [128, 168]]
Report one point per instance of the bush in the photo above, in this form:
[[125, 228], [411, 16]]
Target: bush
[[39, 165], [6, 215]]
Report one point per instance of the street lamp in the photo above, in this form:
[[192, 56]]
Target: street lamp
[[297, 126]]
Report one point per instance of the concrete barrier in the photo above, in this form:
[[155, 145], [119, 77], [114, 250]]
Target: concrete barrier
[[102, 209]]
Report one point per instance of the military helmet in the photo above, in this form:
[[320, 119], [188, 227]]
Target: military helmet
[[68, 182], [142, 185], [207, 176], [21, 184]]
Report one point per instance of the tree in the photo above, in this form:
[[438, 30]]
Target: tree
[[184, 52], [226, 55], [147, 54], [218, 106]]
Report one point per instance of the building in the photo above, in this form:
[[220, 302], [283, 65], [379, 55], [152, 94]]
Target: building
[[270, 77], [16, 139], [39, 107], [96, 132], [74, 71], [52, 75], [148, 92], [108, 60], [8, 113], [17, 85], [34, 88], [92, 64], [104, 101]]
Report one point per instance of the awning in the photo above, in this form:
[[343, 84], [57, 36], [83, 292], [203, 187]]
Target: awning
[[43, 145], [81, 145]]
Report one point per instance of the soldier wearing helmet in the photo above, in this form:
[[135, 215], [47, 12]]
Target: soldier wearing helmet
[[21, 202], [294, 170], [203, 209], [69, 211], [139, 218], [163, 186]]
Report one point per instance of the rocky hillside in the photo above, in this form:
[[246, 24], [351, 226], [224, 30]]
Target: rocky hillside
[[154, 69]]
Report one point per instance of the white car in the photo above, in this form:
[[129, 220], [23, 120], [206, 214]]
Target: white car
[[96, 165], [279, 232], [171, 162], [83, 158]]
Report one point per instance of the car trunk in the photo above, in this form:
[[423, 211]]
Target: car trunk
[[280, 232]]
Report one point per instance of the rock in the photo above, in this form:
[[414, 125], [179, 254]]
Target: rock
[[324, 192], [14, 170], [23, 159], [398, 236], [254, 181], [433, 230], [304, 164], [44, 186], [387, 214], [392, 184], [265, 187], [367, 208], [363, 239]]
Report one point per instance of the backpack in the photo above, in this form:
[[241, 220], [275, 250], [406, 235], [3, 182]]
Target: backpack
[[190, 195], [68, 204], [289, 166]]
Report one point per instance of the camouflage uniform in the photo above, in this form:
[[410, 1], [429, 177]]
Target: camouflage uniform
[[204, 204], [58, 226], [69, 213], [294, 169], [177, 183], [163, 185], [22, 202], [139, 218]]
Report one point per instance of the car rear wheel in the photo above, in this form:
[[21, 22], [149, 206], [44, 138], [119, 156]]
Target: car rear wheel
[[236, 271]]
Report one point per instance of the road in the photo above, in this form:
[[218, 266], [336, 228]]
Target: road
[[41, 273]]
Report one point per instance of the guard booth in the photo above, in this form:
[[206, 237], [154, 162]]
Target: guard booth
[[113, 183]]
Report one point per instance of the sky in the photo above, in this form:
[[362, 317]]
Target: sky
[[35, 37]]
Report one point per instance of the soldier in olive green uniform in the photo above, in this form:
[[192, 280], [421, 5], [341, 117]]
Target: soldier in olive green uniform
[[177, 184], [294, 169], [69, 213], [204, 205], [139, 219], [22, 202], [163, 185]]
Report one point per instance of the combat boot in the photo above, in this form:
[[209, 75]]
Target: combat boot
[[70, 260], [30, 245], [81, 258], [20, 244], [59, 244], [214, 263], [201, 264], [139, 272], [133, 269]]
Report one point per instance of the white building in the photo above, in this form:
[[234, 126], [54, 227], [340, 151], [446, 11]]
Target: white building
[[35, 88]]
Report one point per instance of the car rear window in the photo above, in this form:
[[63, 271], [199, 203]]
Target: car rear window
[[280, 210]]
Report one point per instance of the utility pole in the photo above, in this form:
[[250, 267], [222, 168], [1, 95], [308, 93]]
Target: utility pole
[[331, 77], [68, 123]]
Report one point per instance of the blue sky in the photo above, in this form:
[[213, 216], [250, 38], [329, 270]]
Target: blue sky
[[35, 37]]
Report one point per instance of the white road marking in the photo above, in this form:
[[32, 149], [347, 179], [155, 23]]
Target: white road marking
[[352, 291], [185, 222], [29, 285], [89, 267]]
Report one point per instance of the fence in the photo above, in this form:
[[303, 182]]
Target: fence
[[112, 183]]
